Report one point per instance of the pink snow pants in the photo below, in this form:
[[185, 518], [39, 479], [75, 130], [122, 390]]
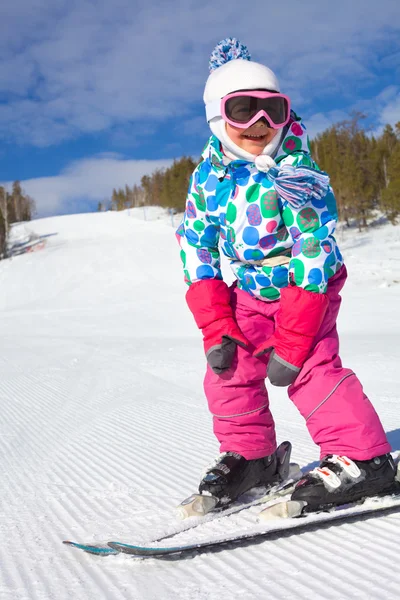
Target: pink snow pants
[[339, 417]]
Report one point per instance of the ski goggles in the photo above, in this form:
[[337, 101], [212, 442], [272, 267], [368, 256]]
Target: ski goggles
[[243, 109]]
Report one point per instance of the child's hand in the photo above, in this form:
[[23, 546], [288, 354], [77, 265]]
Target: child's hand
[[209, 301], [220, 340], [300, 316]]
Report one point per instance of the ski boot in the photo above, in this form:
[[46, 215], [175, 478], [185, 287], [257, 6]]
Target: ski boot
[[340, 480], [232, 475]]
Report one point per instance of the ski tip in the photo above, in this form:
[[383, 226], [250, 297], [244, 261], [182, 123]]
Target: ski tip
[[98, 549]]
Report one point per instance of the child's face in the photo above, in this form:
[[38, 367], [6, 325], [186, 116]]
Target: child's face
[[254, 139]]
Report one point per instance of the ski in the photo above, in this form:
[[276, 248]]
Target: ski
[[275, 493], [270, 529], [198, 510]]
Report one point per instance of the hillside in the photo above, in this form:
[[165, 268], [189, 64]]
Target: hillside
[[105, 427]]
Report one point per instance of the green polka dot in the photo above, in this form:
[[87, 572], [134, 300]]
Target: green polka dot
[[231, 213], [311, 248], [307, 219], [214, 253], [200, 200], [198, 225], [183, 258], [268, 270], [328, 272], [269, 204], [298, 270], [270, 293], [312, 287], [288, 217], [253, 192], [292, 144]]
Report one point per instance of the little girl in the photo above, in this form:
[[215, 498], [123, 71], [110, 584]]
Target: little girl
[[258, 196]]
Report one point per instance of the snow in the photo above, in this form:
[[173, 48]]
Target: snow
[[105, 429]]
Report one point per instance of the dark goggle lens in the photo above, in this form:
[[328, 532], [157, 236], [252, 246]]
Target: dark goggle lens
[[243, 108]]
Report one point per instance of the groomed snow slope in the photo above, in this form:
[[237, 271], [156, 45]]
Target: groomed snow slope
[[104, 427]]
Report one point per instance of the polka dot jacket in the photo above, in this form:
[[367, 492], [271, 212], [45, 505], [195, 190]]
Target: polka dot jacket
[[235, 209]]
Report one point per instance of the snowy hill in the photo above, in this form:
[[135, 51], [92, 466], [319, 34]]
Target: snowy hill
[[105, 427]]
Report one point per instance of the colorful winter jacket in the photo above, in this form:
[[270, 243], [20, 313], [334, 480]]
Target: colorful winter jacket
[[235, 208]]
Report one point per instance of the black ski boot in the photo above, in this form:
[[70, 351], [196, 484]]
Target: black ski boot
[[340, 480], [233, 475]]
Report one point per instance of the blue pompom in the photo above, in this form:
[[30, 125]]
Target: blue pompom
[[227, 50]]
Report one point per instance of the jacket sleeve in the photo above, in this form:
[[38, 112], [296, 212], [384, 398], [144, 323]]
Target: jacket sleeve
[[315, 254], [198, 236]]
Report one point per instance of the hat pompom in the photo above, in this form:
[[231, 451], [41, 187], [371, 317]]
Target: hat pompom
[[227, 50]]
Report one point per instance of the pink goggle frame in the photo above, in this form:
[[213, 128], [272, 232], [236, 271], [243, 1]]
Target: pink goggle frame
[[274, 106]]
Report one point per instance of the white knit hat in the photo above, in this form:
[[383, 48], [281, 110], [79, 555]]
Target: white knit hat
[[232, 70]]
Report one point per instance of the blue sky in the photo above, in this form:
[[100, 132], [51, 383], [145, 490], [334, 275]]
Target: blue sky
[[96, 94]]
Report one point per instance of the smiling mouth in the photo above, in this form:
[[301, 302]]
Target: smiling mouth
[[254, 136]]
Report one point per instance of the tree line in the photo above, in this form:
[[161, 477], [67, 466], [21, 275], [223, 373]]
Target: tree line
[[364, 170], [15, 206]]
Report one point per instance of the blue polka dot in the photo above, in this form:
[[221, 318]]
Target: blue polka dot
[[266, 183], [253, 255], [248, 282], [263, 280], [192, 236], [212, 203], [203, 172], [212, 219], [211, 183], [321, 233], [258, 177], [204, 272], [251, 236], [318, 203], [229, 250], [242, 176], [315, 276], [222, 219], [209, 237], [325, 217], [338, 254], [279, 277]]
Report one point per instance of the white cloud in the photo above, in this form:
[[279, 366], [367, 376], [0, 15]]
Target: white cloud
[[91, 179], [381, 110], [391, 112], [318, 122], [71, 67]]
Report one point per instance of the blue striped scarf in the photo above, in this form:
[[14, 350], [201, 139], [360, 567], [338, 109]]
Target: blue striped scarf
[[298, 185]]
